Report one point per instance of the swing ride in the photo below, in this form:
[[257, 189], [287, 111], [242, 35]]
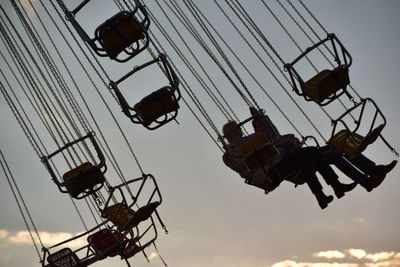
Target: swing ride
[[81, 162]]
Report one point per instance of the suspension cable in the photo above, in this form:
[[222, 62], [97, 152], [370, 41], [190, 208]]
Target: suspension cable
[[18, 196]]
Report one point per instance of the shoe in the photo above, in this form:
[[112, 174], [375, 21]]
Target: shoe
[[340, 189], [382, 170], [324, 201]]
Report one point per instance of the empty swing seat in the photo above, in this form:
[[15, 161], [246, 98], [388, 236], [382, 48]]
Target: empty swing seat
[[155, 105], [63, 258], [257, 151], [326, 83], [111, 243], [119, 214], [124, 217], [118, 33], [352, 143], [83, 178]]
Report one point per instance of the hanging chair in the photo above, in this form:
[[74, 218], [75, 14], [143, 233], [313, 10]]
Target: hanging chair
[[256, 151], [84, 179], [63, 257], [158, 108], [351, 142], [121, 37], [108, 242], [122, 213], [328, 84]]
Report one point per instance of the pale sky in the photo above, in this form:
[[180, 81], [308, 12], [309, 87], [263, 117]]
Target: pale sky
[[213, 218]]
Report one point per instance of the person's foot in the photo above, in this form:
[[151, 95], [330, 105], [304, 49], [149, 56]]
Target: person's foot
[[324, 200], [340, 189], [382, 170]]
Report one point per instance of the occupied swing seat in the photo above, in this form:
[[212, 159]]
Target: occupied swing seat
[[124, 217], [118, 33], [257, 151], [107, 242], [326, 83], [155, 105], [63, 257], [352, 143], [83, 179]]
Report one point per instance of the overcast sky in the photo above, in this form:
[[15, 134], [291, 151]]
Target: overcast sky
[[213, 218]]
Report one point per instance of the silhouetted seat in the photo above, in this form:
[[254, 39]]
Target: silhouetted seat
[[83, 179], [63, 258], [328, 84], [352, 143], [121, 37], [156, 105], [124, 217], [107, 242], [257, 151], [157, 108]]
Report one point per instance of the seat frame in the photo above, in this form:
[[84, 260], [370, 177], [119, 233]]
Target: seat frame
[[96, 43], [343, 60], [173, 90]]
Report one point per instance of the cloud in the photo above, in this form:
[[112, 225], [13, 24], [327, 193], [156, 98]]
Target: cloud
[[358, 253], [47, 238], [3, 234], [330, 254], [351, 258], [290, 263]]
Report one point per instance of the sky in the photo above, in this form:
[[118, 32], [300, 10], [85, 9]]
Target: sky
[[213, 218]]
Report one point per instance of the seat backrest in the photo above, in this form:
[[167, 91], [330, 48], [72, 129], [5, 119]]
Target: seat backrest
[[119, 32], [67, 176], [119, 214], [347, 142], [63, 258], [104, 240], [252, 143], [155, 105]]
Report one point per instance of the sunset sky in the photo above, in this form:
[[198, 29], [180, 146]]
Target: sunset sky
[[213, 218]]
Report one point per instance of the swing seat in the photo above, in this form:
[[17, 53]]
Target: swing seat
[[83, 178], [155, 105], [353, 144], [118, 33], [63, 258], [119, 214], [326, 83], [111, 243], [258, 151], [123, 217]]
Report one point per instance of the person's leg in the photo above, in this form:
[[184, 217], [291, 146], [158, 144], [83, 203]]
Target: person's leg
[[325, 170], [363, 163], [297, 161], [334, 157]]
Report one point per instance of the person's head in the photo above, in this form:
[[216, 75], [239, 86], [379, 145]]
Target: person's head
[[233, 133]]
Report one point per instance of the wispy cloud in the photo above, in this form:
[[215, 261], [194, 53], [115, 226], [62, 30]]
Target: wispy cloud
[[290, 263], [349, 258], [330, 254], [47, 238], [358, 253]]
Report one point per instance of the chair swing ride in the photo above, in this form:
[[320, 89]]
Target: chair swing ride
[[128, 212]]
